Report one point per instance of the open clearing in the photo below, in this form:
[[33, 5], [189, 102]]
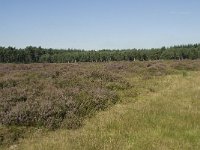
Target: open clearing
[[158, 112]]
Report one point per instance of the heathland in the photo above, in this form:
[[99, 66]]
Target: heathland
[[100, 105]]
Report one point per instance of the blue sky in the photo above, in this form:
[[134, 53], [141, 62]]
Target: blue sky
[[98, 24]]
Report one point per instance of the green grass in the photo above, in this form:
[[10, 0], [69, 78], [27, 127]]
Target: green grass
[[158, 109], [167, 117]]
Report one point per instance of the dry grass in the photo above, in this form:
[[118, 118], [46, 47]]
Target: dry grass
[[158, 109], [53, 96], [166, 119]]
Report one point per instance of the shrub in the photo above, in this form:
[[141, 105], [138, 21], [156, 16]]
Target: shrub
[[53, 98], [9, 135]]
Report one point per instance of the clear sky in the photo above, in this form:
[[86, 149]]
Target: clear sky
[[98, 24]]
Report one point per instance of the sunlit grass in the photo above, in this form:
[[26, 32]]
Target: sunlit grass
[[157, 105], [165, 115]]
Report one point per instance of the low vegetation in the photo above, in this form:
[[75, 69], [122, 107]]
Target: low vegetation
[[48, 102]]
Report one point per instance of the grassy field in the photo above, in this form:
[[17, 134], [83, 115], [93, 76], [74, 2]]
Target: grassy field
[[144, 105]]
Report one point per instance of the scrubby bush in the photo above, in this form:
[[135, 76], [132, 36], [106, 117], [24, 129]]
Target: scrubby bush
[[186, 65], [9, 135], [157, 69], [51, 98], [63, 95]]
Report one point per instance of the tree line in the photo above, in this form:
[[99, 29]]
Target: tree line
[[32, 54]]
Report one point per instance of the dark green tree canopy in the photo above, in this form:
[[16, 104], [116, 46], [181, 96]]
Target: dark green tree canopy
[[32, 54]]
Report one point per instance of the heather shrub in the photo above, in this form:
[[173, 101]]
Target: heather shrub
[[157, 69], [8, 83], [112, 81], [118, 85], [9, 135], [186, 65], [51, 111], [103, 75], [62, 95], [51, 98]]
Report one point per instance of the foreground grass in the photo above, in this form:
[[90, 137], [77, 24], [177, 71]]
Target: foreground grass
[[166, 115]]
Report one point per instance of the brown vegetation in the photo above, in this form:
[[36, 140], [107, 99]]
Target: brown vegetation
[[63, 95]]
